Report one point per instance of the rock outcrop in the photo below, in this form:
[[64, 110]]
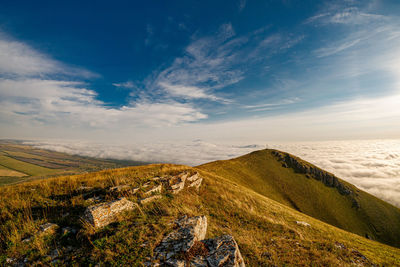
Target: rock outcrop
[[177, 183], [311, 171], [186, 246], [102, 214]]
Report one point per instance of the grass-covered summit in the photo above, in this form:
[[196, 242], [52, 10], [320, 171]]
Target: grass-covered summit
[[243, 197], [315, 192]]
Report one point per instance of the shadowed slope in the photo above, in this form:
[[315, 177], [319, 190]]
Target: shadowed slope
[[306, 188]]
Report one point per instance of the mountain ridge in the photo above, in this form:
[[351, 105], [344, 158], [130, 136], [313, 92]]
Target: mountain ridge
[[295, 182], [268, 230]]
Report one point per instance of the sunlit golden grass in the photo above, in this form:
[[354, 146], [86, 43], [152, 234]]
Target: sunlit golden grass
[[265, 230]]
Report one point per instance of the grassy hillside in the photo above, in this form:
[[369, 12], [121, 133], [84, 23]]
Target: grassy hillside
[[19, 162], [358, 212], [266, 231]]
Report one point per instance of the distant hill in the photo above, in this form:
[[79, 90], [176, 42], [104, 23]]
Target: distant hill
[[20, 162], [310, 190], [261, 199]]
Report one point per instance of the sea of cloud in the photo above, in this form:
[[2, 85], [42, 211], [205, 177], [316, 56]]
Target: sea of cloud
[[372, 165]]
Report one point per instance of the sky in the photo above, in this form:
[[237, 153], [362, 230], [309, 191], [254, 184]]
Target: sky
[[227, 71]]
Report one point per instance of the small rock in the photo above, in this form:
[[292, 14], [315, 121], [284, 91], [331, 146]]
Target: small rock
[[193, 177], [95, 199], [54, 254], [120, 188], [48, 228], [303, 223], [26, 240], [84, 188], [156, 189], [10, 260], [149, 199], [68, 230], [134, 190], [340, 245], [100, 215], [196, 184], [177, 183], [224, 251]]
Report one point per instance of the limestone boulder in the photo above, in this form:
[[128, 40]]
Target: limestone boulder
[[181, 240], [185, 247], [223, 251], [102, 214]]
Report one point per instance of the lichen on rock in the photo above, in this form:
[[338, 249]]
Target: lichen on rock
[[102, 214]]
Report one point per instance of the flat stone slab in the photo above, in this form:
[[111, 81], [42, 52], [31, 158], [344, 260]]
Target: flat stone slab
[[154, 190], [149, 199], [102, 214]]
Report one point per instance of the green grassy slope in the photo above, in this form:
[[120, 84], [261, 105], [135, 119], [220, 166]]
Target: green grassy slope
[[265, 230], [264, 173]]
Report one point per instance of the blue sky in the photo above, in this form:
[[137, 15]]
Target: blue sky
[[185, 70]]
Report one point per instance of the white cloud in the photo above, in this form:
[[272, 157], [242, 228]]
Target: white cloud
[[372, 165], [344, 15], [207, 65], [19, 59], [127, 84], [190, 92], [30, 98], [60, 102], [267, 106]]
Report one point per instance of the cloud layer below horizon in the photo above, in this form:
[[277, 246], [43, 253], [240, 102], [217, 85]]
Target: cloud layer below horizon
[[371, 165]]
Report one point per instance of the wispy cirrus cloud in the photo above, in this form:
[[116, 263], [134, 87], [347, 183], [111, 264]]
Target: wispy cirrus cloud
[[20, 59], [36, 90], [127, 84], [207, 65], [214, 62], [272, 105]]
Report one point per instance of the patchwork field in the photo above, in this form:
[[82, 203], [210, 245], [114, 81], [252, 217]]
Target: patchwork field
[[20, 162], [7, 172]]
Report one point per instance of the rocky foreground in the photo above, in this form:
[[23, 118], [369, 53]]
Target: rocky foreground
[[185, 246]]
